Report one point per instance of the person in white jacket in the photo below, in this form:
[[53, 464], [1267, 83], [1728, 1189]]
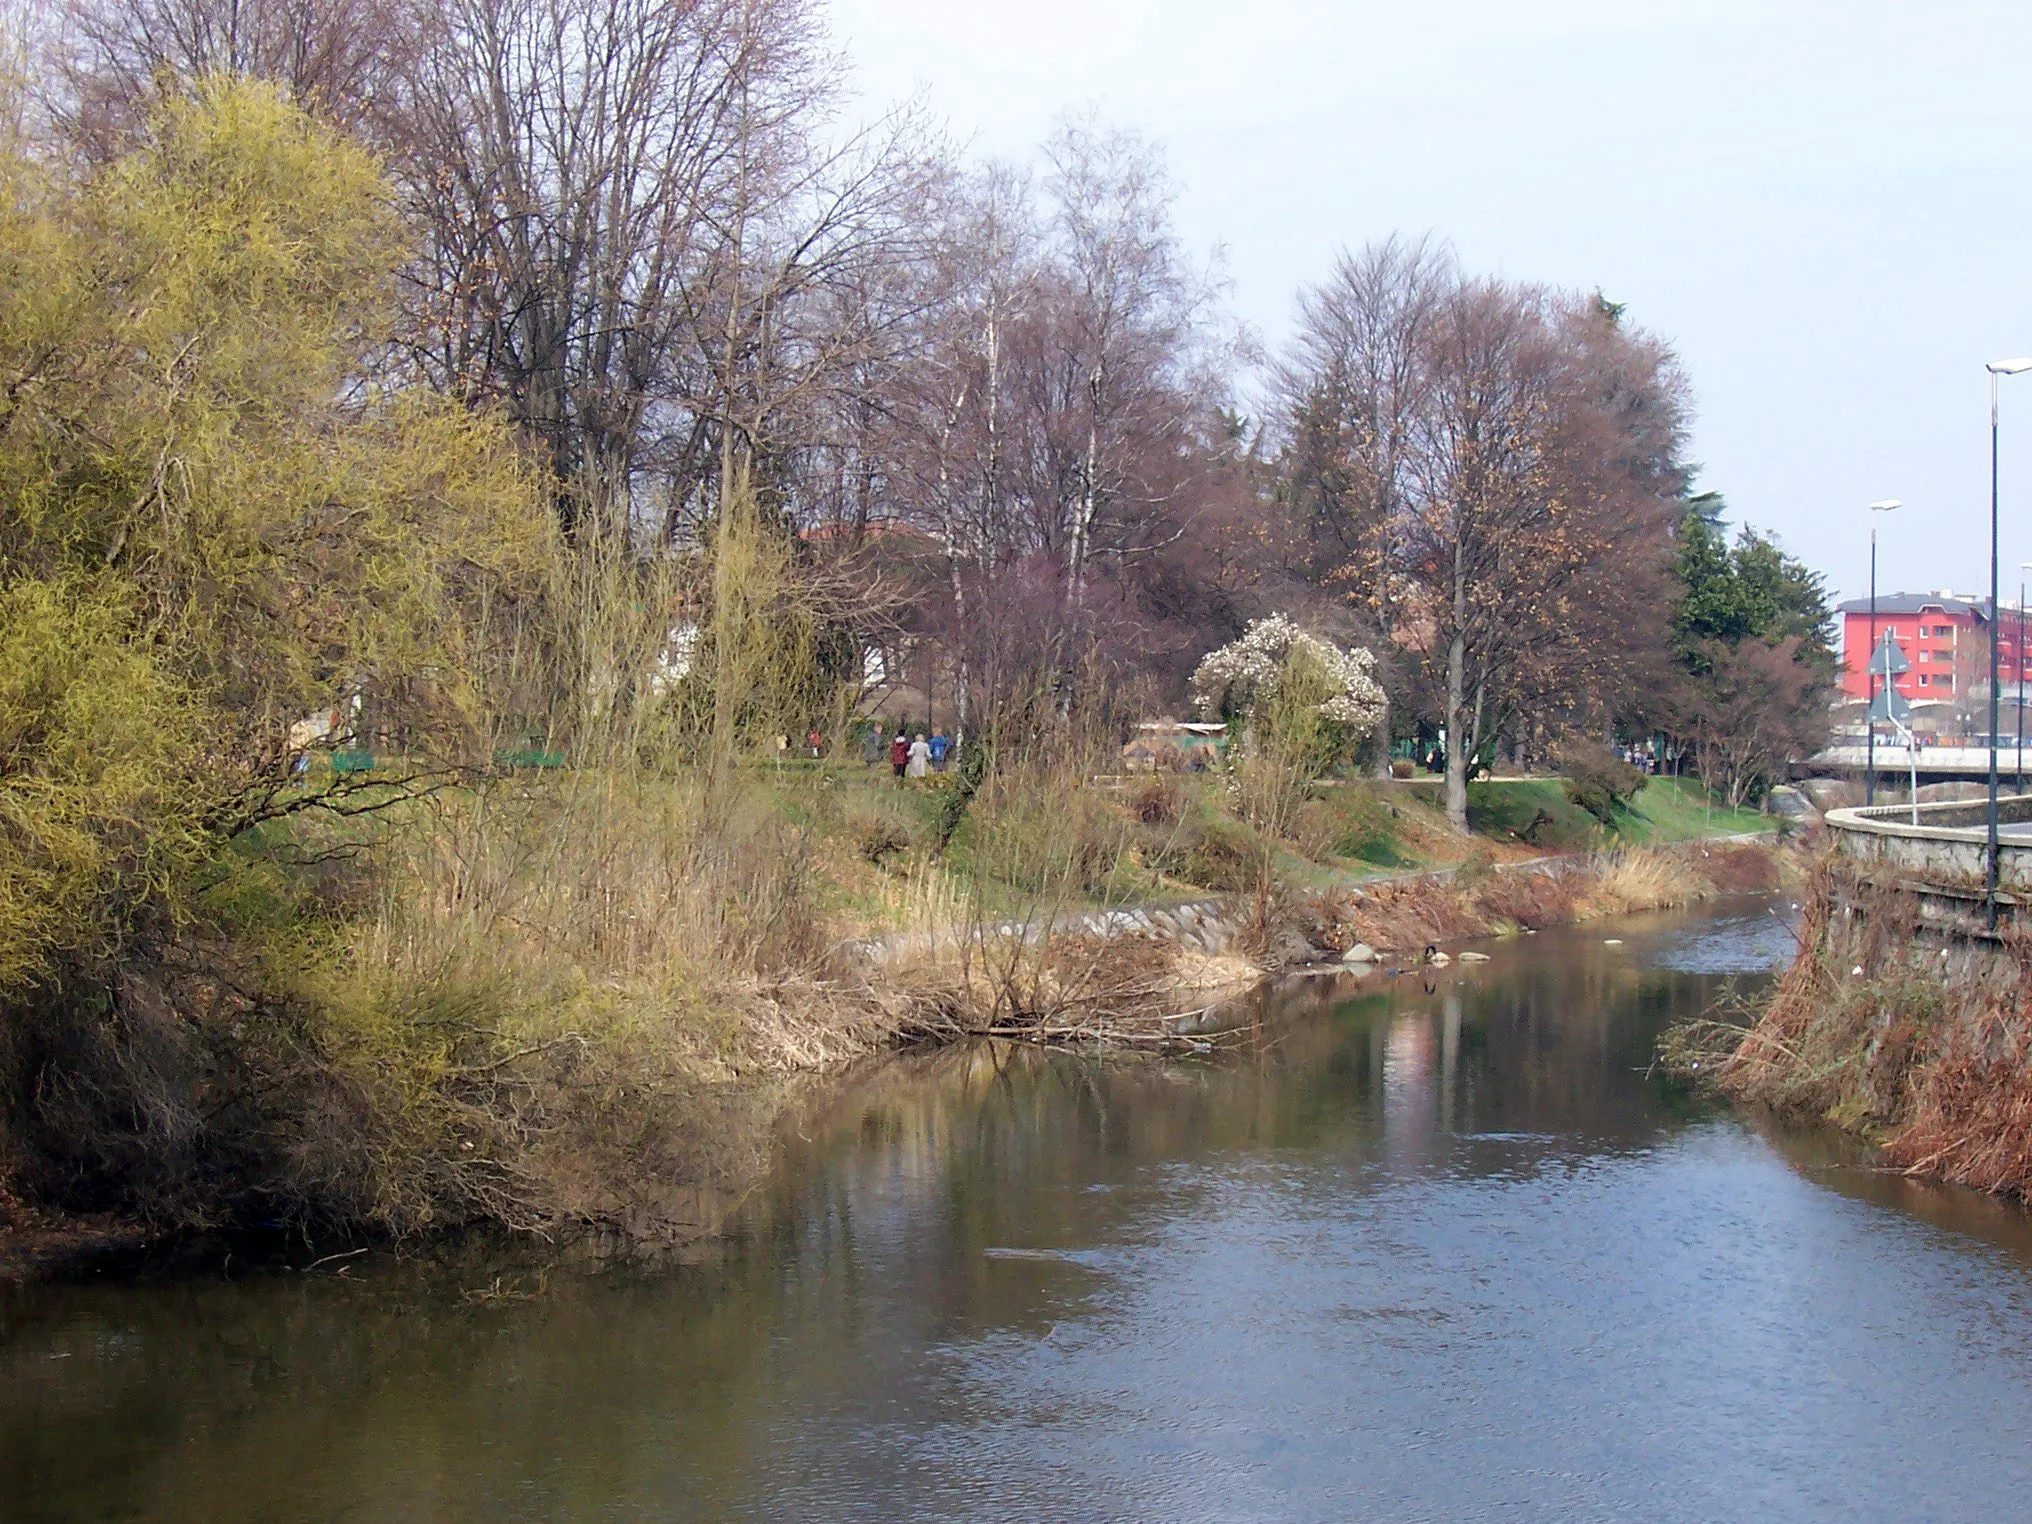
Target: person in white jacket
[[920, 757]]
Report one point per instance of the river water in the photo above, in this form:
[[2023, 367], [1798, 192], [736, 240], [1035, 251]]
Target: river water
[[1418, 1249]]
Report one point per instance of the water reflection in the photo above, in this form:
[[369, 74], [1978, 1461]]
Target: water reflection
[[1405, 1252]]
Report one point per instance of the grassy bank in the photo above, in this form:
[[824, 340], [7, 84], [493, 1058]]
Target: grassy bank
[[562, 1000], [1539, 811], [1920, 1046], [1482, 899]]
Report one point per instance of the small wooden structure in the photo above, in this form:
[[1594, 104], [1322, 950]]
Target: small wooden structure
[[1182, 746]]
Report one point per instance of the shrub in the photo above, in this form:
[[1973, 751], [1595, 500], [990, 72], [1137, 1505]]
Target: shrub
[[1405, 917], [1740, 869], [878, 839], [1316, 830], [1293, 687], [1225, 853], [1045, 835], [1597, 780], [1158, 800]]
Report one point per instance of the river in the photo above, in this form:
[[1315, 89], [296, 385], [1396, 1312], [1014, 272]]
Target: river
[[1426, 1248]]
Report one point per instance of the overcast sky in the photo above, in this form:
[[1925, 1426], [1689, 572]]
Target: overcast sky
[[1823, 206]]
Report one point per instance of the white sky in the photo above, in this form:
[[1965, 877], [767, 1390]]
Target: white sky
[[1822, 206]]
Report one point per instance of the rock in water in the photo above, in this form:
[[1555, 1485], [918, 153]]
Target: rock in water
[[1361, 952], [1474, 957]]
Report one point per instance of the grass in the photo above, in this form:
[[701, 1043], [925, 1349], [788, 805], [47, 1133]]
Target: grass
[[1537, 812], [1679, 809], [523, 1000]]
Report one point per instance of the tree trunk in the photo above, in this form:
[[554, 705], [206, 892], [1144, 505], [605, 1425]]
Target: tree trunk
[[1456, 733], [956, 579], [1082, 540], [1457, 701]]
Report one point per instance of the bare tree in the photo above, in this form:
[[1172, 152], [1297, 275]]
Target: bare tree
[[1750, 707], [1491, 470], [1353, 385], [342, 59], [1058, 427], [642, 243], [1352, 388]]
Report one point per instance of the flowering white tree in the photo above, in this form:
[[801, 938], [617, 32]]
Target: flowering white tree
[[1278, 669]]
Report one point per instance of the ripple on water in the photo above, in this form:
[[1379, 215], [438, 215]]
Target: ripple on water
[[1743, 944]]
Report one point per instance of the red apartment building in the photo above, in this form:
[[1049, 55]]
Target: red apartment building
[[1942, 636]]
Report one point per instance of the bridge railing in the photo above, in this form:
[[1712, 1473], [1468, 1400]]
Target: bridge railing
[[1938, 761]]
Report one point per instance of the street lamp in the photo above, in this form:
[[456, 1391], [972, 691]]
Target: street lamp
[[2018, 661], [1884, 505], [1996, 368]]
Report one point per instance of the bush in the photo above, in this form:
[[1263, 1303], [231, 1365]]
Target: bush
[[1225, 855], [878, 840], [1158, 800], [1599, 781], [1316, 830], [1530, 900], [1046, 836]]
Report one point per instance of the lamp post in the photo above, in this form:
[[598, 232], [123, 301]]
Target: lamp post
[[1884, 505], [1996, 368], [2018, 654]]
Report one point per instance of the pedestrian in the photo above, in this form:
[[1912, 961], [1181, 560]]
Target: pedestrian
[[939, 747], [815, 739], [899, 755], [919, 757]]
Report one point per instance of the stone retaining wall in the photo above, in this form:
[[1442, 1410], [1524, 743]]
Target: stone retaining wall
[[1944, 859]]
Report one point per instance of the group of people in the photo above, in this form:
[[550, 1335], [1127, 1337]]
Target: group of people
[[908, 757], [917, 758], [1645, 757], [814, 744]]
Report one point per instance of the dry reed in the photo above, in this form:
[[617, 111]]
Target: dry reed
[[1922, 1046]]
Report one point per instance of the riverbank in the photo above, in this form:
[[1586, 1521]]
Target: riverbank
[[1916, 1042], [1006, 1272], [450, 1071]]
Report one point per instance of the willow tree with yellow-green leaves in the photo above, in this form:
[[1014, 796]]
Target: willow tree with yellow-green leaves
[[218, 516]]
